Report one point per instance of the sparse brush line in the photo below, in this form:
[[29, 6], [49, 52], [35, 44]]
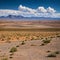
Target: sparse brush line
[[30, 29]]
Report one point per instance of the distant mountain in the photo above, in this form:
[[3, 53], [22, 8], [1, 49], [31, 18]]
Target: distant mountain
[[12, 16], [27, 18], [41, 18]]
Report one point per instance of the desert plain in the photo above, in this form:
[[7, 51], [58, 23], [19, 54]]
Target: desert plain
[[29, 40]]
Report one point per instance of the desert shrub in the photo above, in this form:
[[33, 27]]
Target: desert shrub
[[8, 38], [51, 55], [25, 40], [22, 43], [17, 38], [46, 41], [33, 45], [2, 39], [3, 36], [17, 46], [10, 57], [58, 36], [4, 59], [41, 38], [42, 44], [51, 37], [13, 49], [48, 51], [56, 52], [32, 38]]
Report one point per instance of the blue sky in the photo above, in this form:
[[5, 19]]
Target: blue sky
[[13, 4], [30, 8]]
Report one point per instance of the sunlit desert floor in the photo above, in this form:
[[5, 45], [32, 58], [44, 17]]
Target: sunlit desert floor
[[29, 40], [45, 47]]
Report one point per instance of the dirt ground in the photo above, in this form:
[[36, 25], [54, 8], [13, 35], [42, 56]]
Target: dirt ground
[[30, 50], [41, 41]]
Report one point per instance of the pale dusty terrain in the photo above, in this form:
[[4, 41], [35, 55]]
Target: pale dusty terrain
[[30, 24], [31, 50], [28, 37]]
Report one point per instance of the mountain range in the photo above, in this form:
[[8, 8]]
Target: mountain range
[[27, 18], [13, 14]]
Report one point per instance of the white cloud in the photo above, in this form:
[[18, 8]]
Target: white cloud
[[26, 9], [9, 12], [38, 10], [29, 12], [51, 10], [41, 9]]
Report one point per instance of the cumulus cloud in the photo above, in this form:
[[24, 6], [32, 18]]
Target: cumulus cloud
[[7, 12], [39, 12], [51, 10], [26, 9], [41, 9], [29, 12]]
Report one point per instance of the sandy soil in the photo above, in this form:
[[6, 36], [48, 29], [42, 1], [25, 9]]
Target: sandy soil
[[31, 50], [28, 23]]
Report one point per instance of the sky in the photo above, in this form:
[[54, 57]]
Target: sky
[[31, 7]]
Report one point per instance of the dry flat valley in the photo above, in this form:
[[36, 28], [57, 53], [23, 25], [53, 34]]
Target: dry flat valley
[[30, 40]]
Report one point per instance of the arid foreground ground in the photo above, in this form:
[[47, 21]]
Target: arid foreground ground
[[29, 40]]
